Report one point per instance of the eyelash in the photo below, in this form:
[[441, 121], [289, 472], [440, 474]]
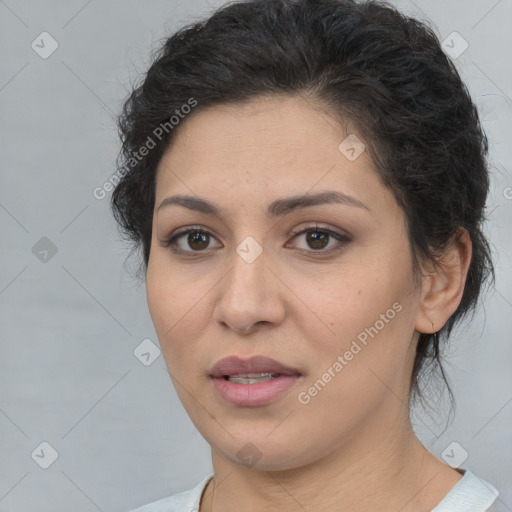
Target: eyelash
[[342, 239]]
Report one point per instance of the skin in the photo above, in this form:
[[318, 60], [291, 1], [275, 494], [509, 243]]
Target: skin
[[353, 442]]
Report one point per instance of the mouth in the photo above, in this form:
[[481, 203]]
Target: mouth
[[251, 378], [252, 382]]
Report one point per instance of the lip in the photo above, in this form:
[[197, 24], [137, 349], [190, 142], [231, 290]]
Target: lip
[[254, 395], [257, 394], [234, 365]]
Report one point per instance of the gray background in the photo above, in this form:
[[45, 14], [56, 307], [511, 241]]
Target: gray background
[[72, 320]]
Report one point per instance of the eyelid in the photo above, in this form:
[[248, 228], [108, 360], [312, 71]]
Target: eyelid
[[320, 227]]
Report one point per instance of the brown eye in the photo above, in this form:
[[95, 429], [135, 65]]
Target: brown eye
[[321, 240], [191, 240], [198, 240], [317, 239]]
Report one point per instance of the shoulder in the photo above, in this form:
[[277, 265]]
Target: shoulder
[[469, 494], [185, 501]]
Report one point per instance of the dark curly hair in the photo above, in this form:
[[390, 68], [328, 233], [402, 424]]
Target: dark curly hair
[[367, 64]]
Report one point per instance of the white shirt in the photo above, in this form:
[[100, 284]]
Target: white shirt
[[469, 494]]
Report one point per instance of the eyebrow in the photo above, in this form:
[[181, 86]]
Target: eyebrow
[[277, 208]]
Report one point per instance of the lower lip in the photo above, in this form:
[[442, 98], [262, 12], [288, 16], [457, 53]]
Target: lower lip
[[252, 395]]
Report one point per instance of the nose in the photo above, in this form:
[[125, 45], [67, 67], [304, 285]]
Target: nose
[[250, 296]]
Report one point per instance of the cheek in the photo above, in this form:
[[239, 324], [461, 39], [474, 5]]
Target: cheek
[[369, 305], [366, 357], [176, 303]]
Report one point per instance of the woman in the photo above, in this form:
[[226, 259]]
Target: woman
[[306, 181]]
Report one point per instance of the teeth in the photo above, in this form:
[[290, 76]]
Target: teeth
[[252, 378]]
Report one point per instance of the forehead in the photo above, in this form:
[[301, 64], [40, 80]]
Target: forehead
[[261, 124], [270, 146]]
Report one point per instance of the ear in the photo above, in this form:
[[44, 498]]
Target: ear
[[442, 288]]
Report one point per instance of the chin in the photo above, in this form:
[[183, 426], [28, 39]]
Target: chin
[[262, 455]]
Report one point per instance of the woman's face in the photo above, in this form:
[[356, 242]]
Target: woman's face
[[341, 312]]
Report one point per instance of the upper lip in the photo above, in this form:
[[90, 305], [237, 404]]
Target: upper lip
[[234, 365]]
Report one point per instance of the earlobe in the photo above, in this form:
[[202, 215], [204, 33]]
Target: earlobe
[[443, 287]]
